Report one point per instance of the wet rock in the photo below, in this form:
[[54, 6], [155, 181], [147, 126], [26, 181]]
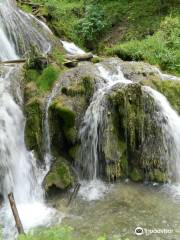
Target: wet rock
[[34, 127], [59, 176]]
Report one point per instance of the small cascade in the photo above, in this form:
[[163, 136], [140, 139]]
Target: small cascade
[[171, 132], [71, 48], [7, 51], [91, 129], [47, 141], [94, 123], [23, 30]]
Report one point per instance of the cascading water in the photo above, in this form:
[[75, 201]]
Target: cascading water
[[90, 132], [23, 30], [93, 124], [171, 132], [71, 48], [18, 170]]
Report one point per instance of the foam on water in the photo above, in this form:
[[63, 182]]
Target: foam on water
[[93, 190], [71, 48]]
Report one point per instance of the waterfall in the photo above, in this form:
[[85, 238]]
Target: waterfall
[[171, 132], [91, 129], [94, 123], [71, 48], [47, 141], [7, 51], [18, 169], [23, 30]]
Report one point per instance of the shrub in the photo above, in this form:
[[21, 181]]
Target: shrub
[[92, 26]]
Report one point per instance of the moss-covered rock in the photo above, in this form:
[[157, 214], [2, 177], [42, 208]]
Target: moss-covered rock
[[169, 88], [59, 176], [140, 135], [66, 115], [34, 128], [136, 175]]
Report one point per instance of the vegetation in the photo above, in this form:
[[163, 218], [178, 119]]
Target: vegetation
[[160, 49], [44, 79], [57, 233], [54, 233], [134, 30]]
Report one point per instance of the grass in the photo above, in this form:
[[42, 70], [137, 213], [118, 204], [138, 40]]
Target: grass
[[91, 23], [162, 49], [47, 78], [54, 233], [44, 80], [58, 233], [138, 18]]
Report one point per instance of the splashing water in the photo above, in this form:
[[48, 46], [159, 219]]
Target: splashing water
[[71, 48], [47, 141], [18, 170], [23, 30], [92, 126], [171, 134]]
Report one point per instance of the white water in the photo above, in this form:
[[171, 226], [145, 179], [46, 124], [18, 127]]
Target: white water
[[171, 133], [18, 170], [7, 51], [71, 48], [47, 141], [23, 30], [165, 76], [93, 122], [90, 132]]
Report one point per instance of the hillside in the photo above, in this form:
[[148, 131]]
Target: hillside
[[133, 30]]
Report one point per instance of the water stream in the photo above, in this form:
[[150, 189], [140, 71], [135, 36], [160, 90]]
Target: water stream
[[125, 207], [18, 169]]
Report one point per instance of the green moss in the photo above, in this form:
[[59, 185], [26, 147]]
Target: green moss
[[134, 122], [26, 8], [123, 159], [57, 56], [47, 78], [96, 60], [73, 151], [88, 86], [67, 116], [73, 90], [32, 75], [136, 175], [160, 176], [31, 91], [33, 128], [70, 134], [83, 88], [169, 88], [59, 176]]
